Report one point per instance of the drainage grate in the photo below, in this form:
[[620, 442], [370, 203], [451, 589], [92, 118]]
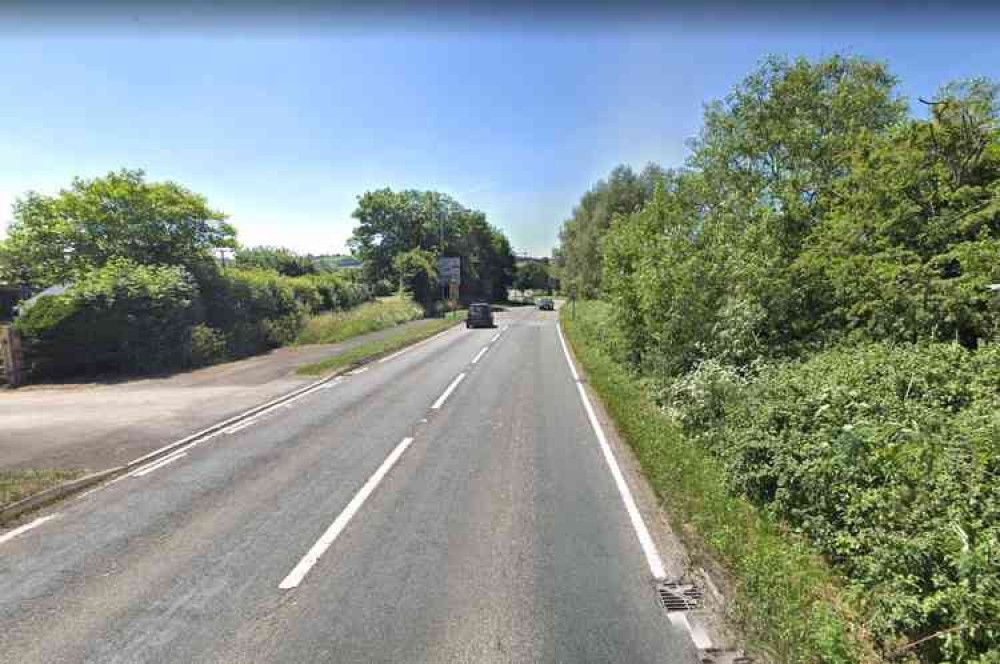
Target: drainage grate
[[676, 596]]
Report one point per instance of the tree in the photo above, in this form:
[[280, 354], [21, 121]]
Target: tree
[[582, 235], [284, 261], [393, 223], [418, 274], [909, 246], [532, 276], [52, 238]]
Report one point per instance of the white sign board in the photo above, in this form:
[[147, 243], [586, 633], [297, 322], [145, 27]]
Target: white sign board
[[449, 269]]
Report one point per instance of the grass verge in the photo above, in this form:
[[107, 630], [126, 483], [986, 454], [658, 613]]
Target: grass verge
[[16, 485], [787, 601], [337, 326], [372, 349]]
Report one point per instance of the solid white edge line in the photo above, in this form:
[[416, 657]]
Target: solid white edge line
[[295, 577], [480, 354], [146, 470], [444, 395], [416, 345], [645, 539], [698, 635], [8, 536]]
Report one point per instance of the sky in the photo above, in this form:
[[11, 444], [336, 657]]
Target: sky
[[283, 128]]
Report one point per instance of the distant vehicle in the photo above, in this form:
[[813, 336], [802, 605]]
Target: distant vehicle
[[480, 315], [546, 304]]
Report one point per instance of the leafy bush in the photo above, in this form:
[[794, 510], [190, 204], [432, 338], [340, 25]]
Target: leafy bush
[[887, 458], [256, 308], [119, 317], [788, 602], [207, 346]]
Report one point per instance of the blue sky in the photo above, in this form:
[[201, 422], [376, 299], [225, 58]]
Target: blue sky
[[282, 131]]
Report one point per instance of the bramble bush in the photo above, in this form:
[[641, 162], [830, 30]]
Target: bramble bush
[[887, 457]]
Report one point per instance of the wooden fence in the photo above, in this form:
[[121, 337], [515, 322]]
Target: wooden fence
[[11, 358]]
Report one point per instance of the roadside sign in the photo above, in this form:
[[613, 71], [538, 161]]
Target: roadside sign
[[449, 269]]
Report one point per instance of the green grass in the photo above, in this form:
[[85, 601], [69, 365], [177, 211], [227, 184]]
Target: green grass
[[369, 317], [373, 349], [788, 603], [18, 484]]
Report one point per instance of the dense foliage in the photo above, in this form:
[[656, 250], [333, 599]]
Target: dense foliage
[[809, 298], [533, 275], [393, 223], [53, 239], [281, 260], [122, 316], [581, 238]]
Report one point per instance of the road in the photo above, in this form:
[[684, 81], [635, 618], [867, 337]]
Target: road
[[401, 514]]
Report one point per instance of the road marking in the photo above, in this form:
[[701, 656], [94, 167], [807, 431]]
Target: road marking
[[416, 345], [698, 634], [357, 371], [295, 577], [480, 354], [444, 396], [6, 537], [242, 425], [496, 336], [146, 470], [645, 540]]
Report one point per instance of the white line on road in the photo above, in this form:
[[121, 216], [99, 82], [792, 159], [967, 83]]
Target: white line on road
[[496, 336], [480, 354], [416, 345], [444, 396], [645, 540], [295, 577], [357, 371], [146, 470], [6, 537]]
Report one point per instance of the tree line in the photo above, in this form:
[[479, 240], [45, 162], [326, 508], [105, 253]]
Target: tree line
[[152, 278], [810, 296]]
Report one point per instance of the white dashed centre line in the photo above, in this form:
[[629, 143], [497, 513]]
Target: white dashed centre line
[[480, 354], [295, 577], [451, 388]]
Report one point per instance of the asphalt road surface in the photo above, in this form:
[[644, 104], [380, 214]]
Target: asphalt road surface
[[450, 504]]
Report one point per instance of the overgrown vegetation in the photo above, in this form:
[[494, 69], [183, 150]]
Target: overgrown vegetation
[[808, 303], [788, 600], [372, 349], [339, 325], [18, 484]]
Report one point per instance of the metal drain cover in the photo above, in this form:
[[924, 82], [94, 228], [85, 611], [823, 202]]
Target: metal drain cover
[[675, 596]]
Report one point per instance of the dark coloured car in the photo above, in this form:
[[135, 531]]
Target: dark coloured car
[[546, 304], [480, 315]]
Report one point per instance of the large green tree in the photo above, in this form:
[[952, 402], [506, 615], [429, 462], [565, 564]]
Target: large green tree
[[581, 236], [911, 241], [392, 223], [120, 215]]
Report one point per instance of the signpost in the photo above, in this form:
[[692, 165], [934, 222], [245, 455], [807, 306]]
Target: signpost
[[450, 277]]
